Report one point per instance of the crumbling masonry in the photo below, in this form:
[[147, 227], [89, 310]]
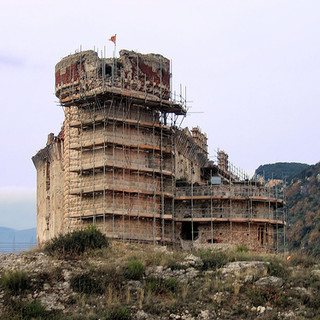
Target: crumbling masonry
[[122, 163]]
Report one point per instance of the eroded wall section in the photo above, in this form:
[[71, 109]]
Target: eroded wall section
[[50, 187]]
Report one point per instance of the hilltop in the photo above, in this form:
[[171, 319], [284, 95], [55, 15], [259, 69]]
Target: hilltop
[[280, 170], [131, 281]]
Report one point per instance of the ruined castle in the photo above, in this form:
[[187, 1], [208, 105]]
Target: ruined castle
[[123, 163]]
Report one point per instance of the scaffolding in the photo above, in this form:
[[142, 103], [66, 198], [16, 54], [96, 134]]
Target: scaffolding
[[120, 156], [234, 213], [121, 147]]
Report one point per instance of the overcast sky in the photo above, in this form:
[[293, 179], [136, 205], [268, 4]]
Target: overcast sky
[[251, 68]]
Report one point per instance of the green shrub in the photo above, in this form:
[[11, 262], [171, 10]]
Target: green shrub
[[86, 283], [50, 275], [212, 260], [118, 313], [110, 276], [154, 285], [155, 306], [15, 282], [34, 310], [256, 296], [134, 270], [173, 261], [276, 297], [17, 309], [161, 286], [281, 300], [243, 256], [278, 269], [242, 248], [302, 259], [314, 302], [76, 243], [98, 281], [171, 284]]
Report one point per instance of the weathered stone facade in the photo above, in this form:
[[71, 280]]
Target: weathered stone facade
[[50, 187], [121, 163]]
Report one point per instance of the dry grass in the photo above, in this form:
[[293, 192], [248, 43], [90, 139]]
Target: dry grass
[[118, 273]]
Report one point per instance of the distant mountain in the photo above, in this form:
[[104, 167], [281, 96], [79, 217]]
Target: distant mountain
[[17, 240], [303, 203], [280, 170]]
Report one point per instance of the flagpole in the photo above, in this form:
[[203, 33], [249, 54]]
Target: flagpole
[[114, 56], [114, 40], [115, 45]]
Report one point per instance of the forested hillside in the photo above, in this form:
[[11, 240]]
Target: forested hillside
[[280, 170], [303, 203]]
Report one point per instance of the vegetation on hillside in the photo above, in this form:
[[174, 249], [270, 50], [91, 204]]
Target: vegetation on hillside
[[303, 202], [75, 243], [280, 170], [130, 281]]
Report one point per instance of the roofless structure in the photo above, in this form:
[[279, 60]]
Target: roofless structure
[[122, 163]]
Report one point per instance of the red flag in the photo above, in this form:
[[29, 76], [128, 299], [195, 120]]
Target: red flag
[[113, 38]]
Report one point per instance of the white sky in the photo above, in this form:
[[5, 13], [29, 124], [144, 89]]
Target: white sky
[[251, 66]]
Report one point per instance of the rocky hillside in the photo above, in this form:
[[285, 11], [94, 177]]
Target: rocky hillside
[[126, 281], [303, 199], [280, 170]]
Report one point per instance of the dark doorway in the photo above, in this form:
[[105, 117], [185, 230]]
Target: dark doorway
[[186, 230], [214, 240], [261, 235]]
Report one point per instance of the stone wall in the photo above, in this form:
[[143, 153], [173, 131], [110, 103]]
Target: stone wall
[[258, 237], [131, 228], [190, 157], [50, 188], [147, 73]]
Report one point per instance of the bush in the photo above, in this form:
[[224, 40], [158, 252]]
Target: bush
[[34, 310], [277, 269], [118, 313], [171, 284], [18, 309], [242, 248], [155, 306], [314, 302], [98, 281], [134, 270], [15, 282], [212, 260], [76, 243], [256, 296], [161, 286], [281, 300], [86, 283], [110, 276], [173, 261], [304, 260]]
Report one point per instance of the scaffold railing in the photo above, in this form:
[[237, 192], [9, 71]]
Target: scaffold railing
[[229, 213], [228, 191]]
